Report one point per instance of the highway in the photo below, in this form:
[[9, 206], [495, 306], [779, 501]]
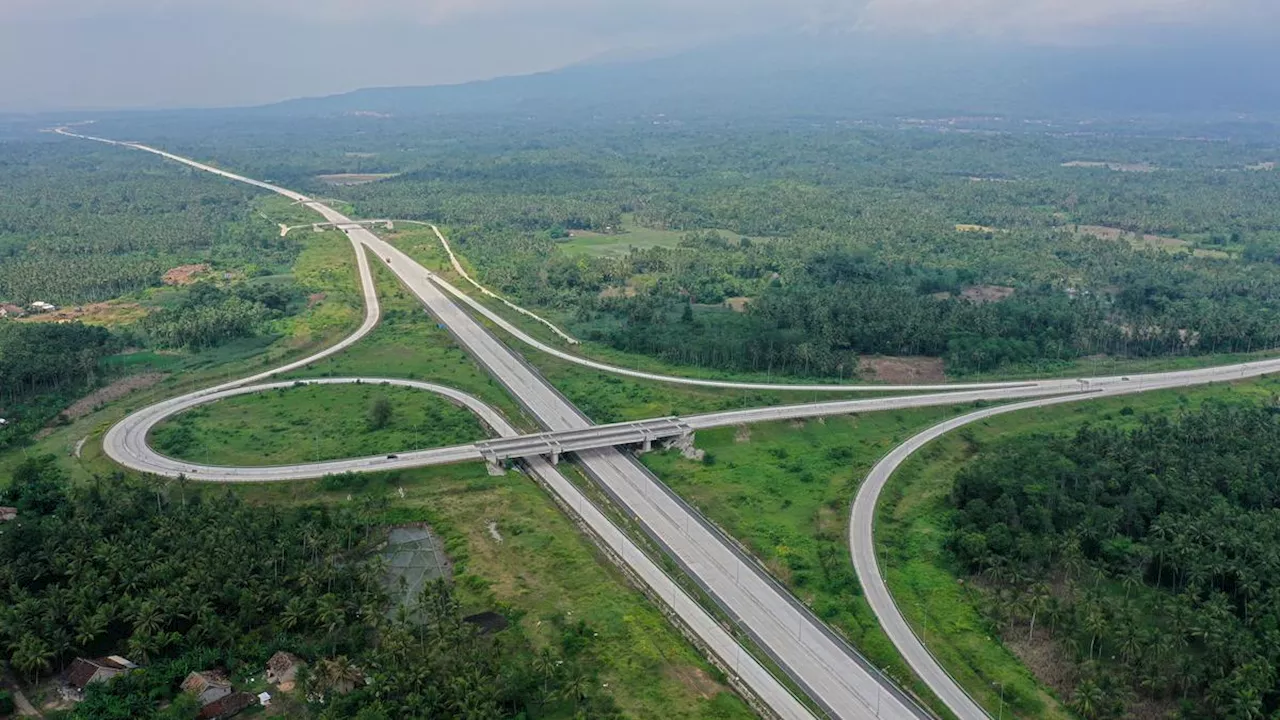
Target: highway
[[833, 675], [829, 670]]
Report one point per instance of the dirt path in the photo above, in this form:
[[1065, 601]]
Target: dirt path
[[25, 708]]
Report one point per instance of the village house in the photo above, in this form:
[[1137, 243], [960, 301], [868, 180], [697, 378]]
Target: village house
[[227, 706], [208, 687], [11, 311], [8, 513], [84, 672], [40, 306], [282, 670]]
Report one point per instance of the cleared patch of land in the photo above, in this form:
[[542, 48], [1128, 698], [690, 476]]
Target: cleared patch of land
[[1115, 166], [902, 370], [107, 314], [354, 178], [315, 422], [1142, 240], [620, 241], [184, 274]]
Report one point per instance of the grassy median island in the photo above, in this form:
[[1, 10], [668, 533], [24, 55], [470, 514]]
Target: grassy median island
[[310, 423], [783, 489], [514, 551], [409, 343]]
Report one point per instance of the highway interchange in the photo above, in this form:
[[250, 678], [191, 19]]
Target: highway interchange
[[835, 678]]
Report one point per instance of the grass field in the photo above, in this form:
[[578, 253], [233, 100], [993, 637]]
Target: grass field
[[409, 344], [513, 550], [313, 423], [914, 518], [629, 236], [783, 490]]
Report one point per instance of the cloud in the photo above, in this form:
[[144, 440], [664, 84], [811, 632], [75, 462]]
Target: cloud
[[114, 53], [1047, 20]]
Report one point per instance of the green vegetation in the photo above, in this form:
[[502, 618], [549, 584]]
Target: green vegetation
[[1147, 547], [978, 626], [515, 551], [783, 490], [83, 223], [307, 580], [861, 252], [41, 366], [314, 423], [409, 344], [615, 242]]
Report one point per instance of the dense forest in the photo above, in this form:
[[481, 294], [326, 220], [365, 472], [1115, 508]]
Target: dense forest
[[836, 240], [82, 223], [207, 315], [843, 240], [180, 579], [1147, 552], [43, 366]]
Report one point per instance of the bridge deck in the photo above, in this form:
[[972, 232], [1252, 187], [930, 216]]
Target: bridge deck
[[554, 443]]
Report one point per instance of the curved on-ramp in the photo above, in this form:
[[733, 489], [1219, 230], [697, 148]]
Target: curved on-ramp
[[129, 446]]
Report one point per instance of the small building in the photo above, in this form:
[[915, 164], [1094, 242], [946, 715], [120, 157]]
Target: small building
[[282, 670], [41, 306], [227, 706], [8, 514], [11, 311], [84, 672], [208, 686]]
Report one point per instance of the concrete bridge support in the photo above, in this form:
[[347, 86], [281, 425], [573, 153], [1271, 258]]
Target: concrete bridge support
[[495, 468]]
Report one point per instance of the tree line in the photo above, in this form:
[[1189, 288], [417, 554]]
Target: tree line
[[181, 579], [1147, 551]]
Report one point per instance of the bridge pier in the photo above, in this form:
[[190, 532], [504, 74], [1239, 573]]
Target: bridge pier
[[647, 445], [495, 468], [555, 457]]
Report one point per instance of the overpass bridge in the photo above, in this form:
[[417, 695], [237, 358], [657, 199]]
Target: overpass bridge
[[552, 445], [344, 226]]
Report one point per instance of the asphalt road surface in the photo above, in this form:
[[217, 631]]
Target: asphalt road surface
[[834, 676]]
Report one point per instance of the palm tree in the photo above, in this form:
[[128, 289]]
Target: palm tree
[[330, 612], [1037, 602], [31, 655], [546, 666], [576, 687], [1088, 700], [294, 613]]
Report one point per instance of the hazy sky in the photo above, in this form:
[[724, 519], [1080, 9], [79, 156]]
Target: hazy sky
[[60, 54]]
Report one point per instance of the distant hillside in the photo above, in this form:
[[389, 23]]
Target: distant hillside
[[859, 76]]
